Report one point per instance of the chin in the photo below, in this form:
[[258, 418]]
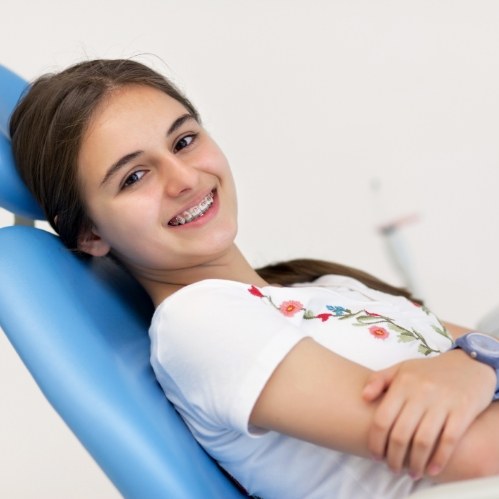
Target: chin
[[221, 242]]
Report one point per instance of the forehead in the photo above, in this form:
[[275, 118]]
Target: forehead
[[131, 102], [128, 118]]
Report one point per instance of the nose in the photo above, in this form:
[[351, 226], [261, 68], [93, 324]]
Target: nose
[[179, 176]]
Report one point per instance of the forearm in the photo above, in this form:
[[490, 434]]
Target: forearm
[[477, 454], [455, 330], [315, 395]]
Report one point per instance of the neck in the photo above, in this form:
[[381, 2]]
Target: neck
[[232, 266]]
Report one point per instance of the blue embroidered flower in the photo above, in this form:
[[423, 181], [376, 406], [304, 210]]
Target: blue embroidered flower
[[336, 310]]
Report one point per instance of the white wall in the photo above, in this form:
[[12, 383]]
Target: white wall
[[312, 102]]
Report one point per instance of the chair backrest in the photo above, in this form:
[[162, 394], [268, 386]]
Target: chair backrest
[[14, 196], [81, 328], [11, 88]]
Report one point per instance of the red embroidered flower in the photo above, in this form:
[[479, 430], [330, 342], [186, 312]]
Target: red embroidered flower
[[324, 317], [255, 292], [372, 314], [379, 332], [289, 308]]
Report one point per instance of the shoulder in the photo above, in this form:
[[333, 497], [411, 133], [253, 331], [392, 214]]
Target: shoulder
[[206, 296], [217, 344], [217, 311]]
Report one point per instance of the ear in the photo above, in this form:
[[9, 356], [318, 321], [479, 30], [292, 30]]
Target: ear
[[90, 242]]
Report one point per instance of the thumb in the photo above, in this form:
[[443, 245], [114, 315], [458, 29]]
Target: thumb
[[377, 383]]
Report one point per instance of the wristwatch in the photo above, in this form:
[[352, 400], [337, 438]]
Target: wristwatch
[[482, 348]]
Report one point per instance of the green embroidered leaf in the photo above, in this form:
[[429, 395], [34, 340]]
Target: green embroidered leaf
[[406, 337], [308, 314], [426, 310], [442, 331], [423, 349], [397, 329], [369, 319], [348, 314]]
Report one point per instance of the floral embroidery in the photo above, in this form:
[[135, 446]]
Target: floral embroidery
[[255, 292], [322, 317], [365, 318], [379, 326], [289, 308], [336, 311], [379, 332]]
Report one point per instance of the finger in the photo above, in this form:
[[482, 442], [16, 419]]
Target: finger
[[452, 433], [425, 440], [383, 420], [402, 434]]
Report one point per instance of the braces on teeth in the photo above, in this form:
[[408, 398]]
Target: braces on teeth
[[194, 212]]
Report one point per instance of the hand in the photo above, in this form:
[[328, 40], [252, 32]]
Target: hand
[[426, 406]]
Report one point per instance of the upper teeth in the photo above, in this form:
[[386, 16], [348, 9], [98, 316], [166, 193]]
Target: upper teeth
[[193, 213]]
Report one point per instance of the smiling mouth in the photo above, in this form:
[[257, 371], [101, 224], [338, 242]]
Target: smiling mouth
[[193, 213]]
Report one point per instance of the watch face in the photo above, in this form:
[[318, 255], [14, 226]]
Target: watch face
[[481, 347], [483, 344]]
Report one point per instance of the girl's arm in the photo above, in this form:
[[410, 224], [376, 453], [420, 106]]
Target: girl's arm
[[477, 453], [316, 395], [394, 430], [455, 330]]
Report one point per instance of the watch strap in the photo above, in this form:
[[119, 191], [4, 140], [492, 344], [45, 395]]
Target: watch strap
[[460, 344]]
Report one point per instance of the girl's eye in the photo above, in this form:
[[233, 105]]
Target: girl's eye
[[184, 142], [132, 179]]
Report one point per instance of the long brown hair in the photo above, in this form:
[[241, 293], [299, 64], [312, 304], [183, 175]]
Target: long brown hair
[[307, 270], [48, 125], [47, 128]]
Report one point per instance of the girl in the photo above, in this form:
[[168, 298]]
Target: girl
[[298, 378]]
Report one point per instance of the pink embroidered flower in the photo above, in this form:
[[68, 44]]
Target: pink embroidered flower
[[255, 292], [324, 317], [289, 308], [379, 332]]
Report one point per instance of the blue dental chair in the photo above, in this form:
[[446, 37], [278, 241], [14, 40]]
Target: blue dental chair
[[80, 327]]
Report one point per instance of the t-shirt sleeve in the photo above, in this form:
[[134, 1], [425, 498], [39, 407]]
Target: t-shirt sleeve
[[214, 347]]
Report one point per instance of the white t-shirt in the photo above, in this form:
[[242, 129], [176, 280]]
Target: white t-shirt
[[216, 343]]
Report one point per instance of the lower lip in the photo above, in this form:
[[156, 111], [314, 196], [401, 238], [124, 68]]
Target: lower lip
[[205, 218]]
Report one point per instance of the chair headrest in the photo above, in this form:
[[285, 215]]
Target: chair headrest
[[14, 195], [12, 87]]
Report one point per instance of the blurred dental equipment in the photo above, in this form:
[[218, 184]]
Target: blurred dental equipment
[[396, 246]]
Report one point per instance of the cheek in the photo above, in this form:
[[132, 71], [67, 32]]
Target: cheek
[[122, 224], [217, 162]]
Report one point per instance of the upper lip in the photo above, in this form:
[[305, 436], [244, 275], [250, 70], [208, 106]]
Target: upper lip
[[193, 203]]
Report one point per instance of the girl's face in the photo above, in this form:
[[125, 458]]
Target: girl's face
[[157, 188]]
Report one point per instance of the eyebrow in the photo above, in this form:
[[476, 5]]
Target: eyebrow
[[123, 161]]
